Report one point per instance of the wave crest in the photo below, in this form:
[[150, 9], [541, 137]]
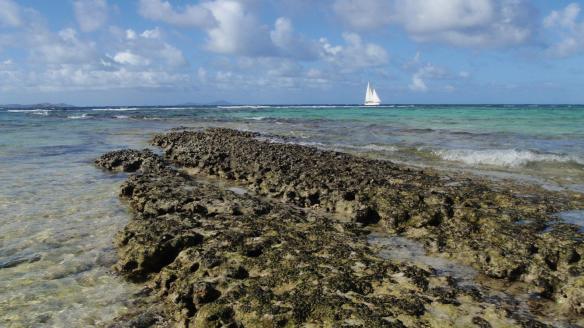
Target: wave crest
[[502, 157]]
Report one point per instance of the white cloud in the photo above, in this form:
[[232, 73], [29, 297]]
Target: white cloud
[[364, 14], [129, 58], [289, 44], [428, 71], [477, 23], [425, 75], [131, 34], [570, 32], [63, 47], [146, 48], [65, 60], [564, 18], [68, 77], [190, 15], [418, 83], [151, 34], [90, 14], [9, 13], [233, 29], [268, 73], [237, 31], [355, 54]]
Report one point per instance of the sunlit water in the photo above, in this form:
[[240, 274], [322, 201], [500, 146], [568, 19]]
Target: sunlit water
[[58, 213]]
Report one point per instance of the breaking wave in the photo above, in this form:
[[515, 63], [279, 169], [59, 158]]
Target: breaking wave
[[78, 117], [44, 112], [503, 157], [114, 109]]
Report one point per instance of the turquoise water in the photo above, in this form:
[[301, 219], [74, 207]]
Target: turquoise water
[[58, 214]]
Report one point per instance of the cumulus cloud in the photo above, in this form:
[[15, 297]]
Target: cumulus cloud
[[64, 47], [130, 58], [9, 13], [479, 23], [233, 28], [146, 48], [90, 14], [563, 18], [289, 43], [355, 54], [566, 27], [364, 14], [428, 71], [237, 31], [67, 60], [272, 73], [190, 15], [425, 75]]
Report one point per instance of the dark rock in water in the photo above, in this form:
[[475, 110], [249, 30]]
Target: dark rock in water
[[129, 160], [472, 219], [367, 216], [18, 260], [270, 264]]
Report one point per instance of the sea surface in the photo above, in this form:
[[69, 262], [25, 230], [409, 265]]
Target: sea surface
[[58, 213]]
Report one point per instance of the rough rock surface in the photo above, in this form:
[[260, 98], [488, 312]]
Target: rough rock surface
[[215, 258], [505, 231]]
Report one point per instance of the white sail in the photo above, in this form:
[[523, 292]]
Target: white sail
[[376, 97], [371, 97]]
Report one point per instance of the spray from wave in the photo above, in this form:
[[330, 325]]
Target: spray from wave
[[502, 157], [43, 112], [78, 117], [114, 109]]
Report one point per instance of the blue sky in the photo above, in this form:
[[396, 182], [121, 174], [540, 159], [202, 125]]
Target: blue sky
[[145, 52]]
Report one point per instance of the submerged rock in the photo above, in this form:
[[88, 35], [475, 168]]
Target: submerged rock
[[215, 258]]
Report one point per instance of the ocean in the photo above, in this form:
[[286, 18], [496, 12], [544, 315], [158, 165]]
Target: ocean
[[58, 213]]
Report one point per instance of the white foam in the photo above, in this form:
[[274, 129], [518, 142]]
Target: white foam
[[257, 118], [375, 147], [78, 117], [121, 116], [502, 157], [369, 147], [114, 109], [43, 112], [244, 107]]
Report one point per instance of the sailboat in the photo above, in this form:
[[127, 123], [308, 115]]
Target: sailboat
[[371, 97]]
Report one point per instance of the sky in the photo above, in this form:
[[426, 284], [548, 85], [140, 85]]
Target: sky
[[156, 52]]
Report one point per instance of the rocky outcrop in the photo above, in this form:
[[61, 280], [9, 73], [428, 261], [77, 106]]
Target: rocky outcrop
[[216, 258], [505, 231]]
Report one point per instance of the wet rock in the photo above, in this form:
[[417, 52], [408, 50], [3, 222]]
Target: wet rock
[[273, 264], [572, 295], [129, 160], [18, 260], [481, 323], [469, 219]]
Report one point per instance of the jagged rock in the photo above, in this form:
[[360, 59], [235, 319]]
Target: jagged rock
[[214, 258], [473, 220]]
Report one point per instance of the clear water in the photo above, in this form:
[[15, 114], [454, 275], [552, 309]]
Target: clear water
[[58, 213]]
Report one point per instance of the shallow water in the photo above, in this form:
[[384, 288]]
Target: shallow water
[[58, 213], [408, 250], [573, 217], [58, 216]]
